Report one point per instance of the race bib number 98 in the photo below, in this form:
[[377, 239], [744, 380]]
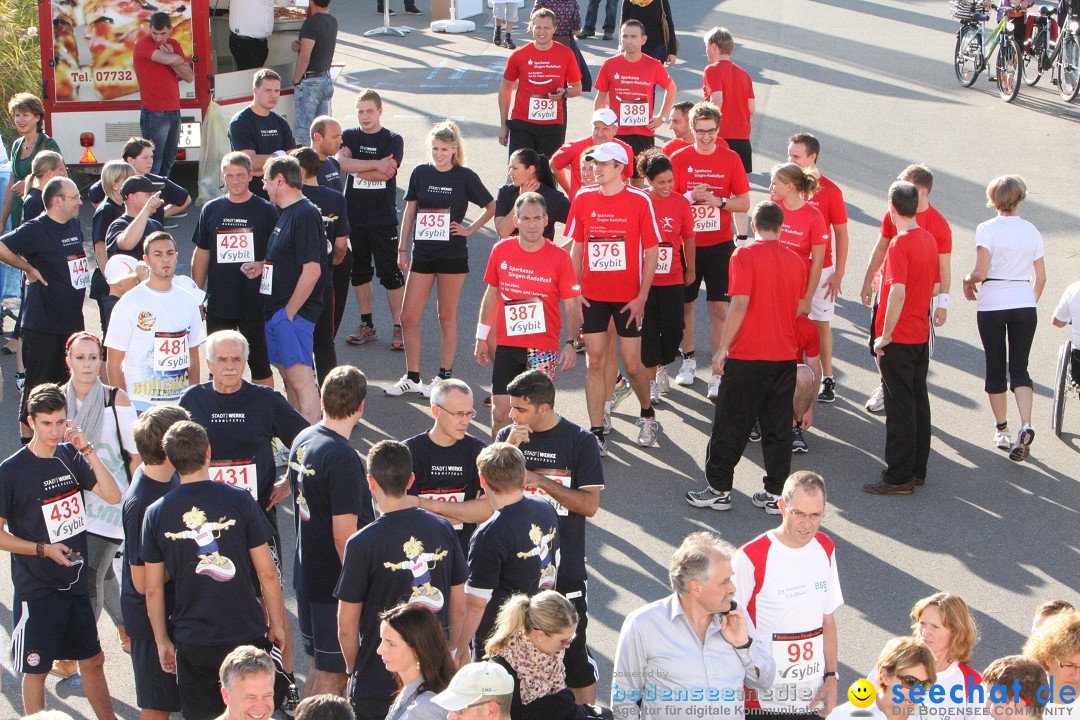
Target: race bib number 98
[[607, 254], [706, 218], [64, 517], [799, 656]]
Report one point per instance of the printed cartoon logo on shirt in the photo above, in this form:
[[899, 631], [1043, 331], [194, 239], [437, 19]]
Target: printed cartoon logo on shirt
[[542, 549], [205, 534], [146, 320], [420, 564], [301, 470]]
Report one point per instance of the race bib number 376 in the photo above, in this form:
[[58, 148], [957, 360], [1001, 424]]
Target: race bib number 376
[[607, 254]]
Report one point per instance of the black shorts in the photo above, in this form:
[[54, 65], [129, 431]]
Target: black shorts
[[599, 313], [460, 266], [43, 356], [543, 138], [197, 668], [378, 245], [155, 689], [745, 153], [56, 626], [254, 331], [873, 329], [581, 671], [712, 264], [639, 144], [511, 361], [318, 626], [663, 329]]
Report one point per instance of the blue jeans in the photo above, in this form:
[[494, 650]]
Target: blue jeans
[[312, 100], [163, 129], [611, 13]]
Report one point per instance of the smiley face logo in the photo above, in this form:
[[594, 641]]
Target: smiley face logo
[[861, 693]]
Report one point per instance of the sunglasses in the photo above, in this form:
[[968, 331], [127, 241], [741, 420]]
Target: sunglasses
[[909, 681]]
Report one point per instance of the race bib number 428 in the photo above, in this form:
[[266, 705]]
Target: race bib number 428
[[236, 246]]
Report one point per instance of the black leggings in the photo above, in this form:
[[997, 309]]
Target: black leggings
[[1017, 327]]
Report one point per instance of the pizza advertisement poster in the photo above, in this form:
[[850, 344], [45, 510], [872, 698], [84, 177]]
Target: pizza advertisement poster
[[93, 42]]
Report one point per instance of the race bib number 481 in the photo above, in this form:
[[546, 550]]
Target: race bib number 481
[[171, 352]]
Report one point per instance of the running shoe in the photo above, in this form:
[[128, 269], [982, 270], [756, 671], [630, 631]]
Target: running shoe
[[426, 392], [397, 341], [709, 498], [714, 387], [601, 441], [755, 432], [621, 392], [798, 442], [876, 402], [20, 380], [508, 43], [828, 391], [578, 345], [362, 334], [607, 423], [647, 429], [1022, 446], [487, 401], [686, 372], [1002, 440], [663, 384], [405, 385], [413, 11], [654, 392], [767, 501]]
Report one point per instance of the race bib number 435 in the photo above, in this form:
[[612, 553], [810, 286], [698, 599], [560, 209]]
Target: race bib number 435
[[64, 517], [432, 225]]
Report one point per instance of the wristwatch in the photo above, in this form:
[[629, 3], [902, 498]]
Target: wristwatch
[[723, 203]]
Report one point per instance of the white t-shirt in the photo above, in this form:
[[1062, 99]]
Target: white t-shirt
[[787, 592], [156, 331], [102, 518], [1068, 309], [1014, 244]]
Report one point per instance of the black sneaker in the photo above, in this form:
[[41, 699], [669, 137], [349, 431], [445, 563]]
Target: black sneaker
[[585, 34], [828, 391], [497, 37], [290, 701], [487, 401], [508, 43], [380, 11], [609, 35], [755, 432], [413, 11], [798, 442]]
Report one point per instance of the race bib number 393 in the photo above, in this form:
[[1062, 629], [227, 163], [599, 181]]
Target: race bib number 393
[[607, 254], [542, 109], [64, 517]]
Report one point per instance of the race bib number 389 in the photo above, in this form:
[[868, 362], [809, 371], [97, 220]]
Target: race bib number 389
[[634, 114], [64, 517]]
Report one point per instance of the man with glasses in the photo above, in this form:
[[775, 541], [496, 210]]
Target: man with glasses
[[160, 65], [444, 462], [787, 581], [712, 177], [479, 691]]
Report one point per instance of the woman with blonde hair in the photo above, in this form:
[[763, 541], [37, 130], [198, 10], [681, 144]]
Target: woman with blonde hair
[[47, 165], [944, 624], [529, 639], [1056, 646], [904, 663], [439, 194], [1010, 270], [804, 230]]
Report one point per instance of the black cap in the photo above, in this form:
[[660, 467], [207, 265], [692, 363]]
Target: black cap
[[139, 183]]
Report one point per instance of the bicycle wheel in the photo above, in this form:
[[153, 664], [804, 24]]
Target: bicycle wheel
[[1033, 57], [1069, 68], [966, 57], [1061, 386], [1008, 68]]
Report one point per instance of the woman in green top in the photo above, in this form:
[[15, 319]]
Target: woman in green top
[[28, 115]]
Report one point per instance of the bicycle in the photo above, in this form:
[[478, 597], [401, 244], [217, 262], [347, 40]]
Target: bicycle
[[1041, 50], [1064, 385], [1066, 67], [975, 46]]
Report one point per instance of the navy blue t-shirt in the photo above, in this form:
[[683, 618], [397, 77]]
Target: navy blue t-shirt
[[435, 190], [240, 426], [103, 218], [298, 238], [331, 204], [426, 561], [41, 500], [558, 207], [33, 205], [328, 479], [141, 494], [372, 204], [265, 135], [569, 455], [447, 474], [223, 232], [118, 226], [203, 532], [514, 551], [172, 194], [330, 175], [56, 251]]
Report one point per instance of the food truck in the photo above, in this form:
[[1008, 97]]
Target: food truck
[[90, 91]]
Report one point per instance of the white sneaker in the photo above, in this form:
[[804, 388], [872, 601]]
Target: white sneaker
[[405, 385], [714, 387], [876, 402], [1002, 439], [607, 423], [654, 392], [686, 372], [426, 391], [662, 382], [647, 429]]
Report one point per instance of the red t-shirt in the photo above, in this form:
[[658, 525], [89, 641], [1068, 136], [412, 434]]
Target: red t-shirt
[[633, 83], [676, 224], [807, 340], [159, 88], [829, 200], [723, 172], [775, 279], [673, 146], [615, 230], [912, 261], [929, 220], [802, 229], [540, 72], [530, 286], [570, 155], [734, 82]]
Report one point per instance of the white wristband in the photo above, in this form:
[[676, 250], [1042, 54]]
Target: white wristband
[[280, 153], [482, 331], [943, 301]]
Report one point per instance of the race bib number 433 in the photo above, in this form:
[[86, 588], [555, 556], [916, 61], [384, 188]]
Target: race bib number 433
[[64, 517]]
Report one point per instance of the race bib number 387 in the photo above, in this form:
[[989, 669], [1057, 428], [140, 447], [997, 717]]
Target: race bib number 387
[[64, 517]]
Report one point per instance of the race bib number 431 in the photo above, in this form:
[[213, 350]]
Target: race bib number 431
[[240, 474]]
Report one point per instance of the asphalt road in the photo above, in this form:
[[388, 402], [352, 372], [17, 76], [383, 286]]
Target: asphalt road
[[873, 81]]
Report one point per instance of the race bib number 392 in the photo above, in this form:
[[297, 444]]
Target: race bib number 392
[[706, 218]]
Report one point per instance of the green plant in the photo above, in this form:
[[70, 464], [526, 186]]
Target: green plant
[[20, 57]]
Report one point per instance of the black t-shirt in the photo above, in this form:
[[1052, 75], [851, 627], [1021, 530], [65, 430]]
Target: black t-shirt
[[328, 479], [298, 238], [265, 135], [141, 494], [447, 474], [103, 218], [558, 207], [515, 551], [56, 251], [118, 226], [434, 190], [426, 562], [568, 454], [41, 500], [223, 231], [372, 204], [172, 194], [322, 28], [330, 175], [33, 205], [203, 532], [331, 204], [240, 426]]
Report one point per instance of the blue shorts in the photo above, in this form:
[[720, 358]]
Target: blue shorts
[[155, 689], [318, 625], [57, 626], [289, 343]]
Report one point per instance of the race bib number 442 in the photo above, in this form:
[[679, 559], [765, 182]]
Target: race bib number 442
[[79, 271]]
